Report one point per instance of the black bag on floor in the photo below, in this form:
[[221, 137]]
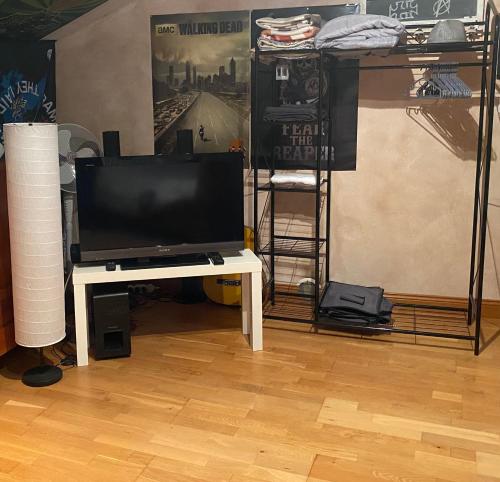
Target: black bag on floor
[[357, 305]]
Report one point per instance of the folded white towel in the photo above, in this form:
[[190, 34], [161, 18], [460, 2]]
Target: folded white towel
[[294, 178]]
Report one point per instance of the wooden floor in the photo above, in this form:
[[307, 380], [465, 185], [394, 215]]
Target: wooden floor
[[194, 403]]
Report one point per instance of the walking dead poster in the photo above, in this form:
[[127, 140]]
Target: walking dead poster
[[201, 81], [201, 72]]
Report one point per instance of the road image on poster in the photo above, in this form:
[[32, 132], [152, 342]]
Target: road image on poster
[[201, 72]]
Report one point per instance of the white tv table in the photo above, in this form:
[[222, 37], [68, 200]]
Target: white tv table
[[246, 264]]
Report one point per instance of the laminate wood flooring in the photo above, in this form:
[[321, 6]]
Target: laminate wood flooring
[[193, 403]]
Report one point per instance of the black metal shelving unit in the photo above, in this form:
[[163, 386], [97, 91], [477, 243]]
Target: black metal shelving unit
[[314, 248], [452, 322]]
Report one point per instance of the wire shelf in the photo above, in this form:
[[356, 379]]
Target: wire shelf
[[289, 307], [410, 48], [293, 246], [439, 322], [289, 187]]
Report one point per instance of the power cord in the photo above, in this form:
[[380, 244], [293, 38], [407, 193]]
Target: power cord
[[68, 278]]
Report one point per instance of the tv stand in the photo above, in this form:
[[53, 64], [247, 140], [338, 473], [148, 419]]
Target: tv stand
[[165, 262], [245, 263]]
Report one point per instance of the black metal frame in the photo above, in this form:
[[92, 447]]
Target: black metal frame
[[459, 329]]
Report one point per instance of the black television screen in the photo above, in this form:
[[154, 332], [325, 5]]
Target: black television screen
[[150, 206]]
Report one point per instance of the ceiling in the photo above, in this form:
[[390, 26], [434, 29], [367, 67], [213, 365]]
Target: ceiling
[[34, 19]]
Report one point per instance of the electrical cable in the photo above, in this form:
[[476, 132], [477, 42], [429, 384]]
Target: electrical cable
[[67, 279]]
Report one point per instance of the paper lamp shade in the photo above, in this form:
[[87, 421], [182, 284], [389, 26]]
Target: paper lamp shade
[[34, 203]]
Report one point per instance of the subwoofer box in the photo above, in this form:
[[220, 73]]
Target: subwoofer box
[[110, 326]]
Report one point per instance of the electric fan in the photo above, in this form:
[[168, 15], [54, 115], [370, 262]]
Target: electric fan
[[74, 141]]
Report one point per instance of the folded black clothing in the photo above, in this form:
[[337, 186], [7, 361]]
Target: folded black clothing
[[340, 315], [352, 322], [359, 299], [291, 112], [386, 307], [356, 305], [343, 322]]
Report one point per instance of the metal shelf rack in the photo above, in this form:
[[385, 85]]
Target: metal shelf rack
[[313, 248], [482, 52]]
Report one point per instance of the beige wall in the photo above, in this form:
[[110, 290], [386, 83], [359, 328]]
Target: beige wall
[[402, 220]]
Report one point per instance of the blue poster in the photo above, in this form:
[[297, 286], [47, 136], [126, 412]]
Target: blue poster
[[27, 84]]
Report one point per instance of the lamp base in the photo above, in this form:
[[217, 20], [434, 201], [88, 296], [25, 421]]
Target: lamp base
[[42, 376]]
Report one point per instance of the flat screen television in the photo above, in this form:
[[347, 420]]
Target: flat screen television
[[154, 206]]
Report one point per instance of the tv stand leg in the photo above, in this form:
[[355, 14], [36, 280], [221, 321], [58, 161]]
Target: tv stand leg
[[81, 325], [256, 333], [246, 308]]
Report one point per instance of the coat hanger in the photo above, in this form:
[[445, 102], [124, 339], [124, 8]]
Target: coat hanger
[[440, 81]]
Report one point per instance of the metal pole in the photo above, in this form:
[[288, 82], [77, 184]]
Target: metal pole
[[318, 191], [329, 174], [255, 153], [273, 206], [486, 182], [470, 314]]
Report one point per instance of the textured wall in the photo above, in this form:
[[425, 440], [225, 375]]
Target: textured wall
[[402, 220]]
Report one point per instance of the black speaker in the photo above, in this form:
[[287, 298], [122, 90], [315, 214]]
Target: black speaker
[[185, 143], [110, 321], [111, 143]]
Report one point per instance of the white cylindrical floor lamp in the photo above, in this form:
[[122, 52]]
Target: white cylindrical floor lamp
[[34, 203]]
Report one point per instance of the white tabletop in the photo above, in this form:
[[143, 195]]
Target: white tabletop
[[245, 262]]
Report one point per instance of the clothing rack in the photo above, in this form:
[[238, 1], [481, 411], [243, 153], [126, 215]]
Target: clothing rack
[[453, 322]]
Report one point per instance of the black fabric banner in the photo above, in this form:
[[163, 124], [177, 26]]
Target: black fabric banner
[[27, 83], [292, 145]]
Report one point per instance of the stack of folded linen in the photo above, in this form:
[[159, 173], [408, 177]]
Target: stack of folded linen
[[360, 32], [290, 33], [305, 179]]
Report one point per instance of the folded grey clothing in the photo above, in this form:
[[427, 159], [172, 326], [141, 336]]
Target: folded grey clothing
[[291, 112], [356, 42], [356, 319], [347, 315], [289, 23], [352, 298], [265, 43], [342, 322], [362, 27], [352, 301], [386, 307]]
